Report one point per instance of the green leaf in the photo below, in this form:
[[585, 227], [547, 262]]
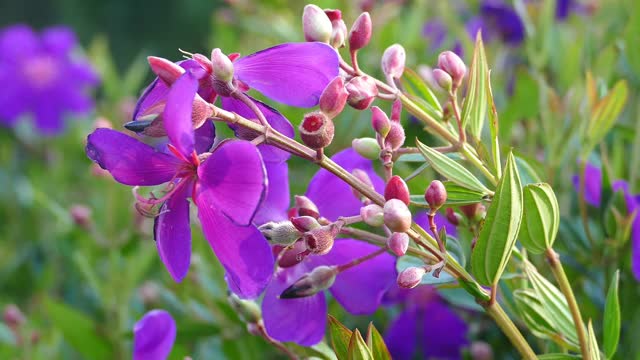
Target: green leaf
[[500, 229], [612, 318], [593, 342], [474, 108], [559, 356], [414, 85], [358, 349], [78, 330], [541, 218], [376, 344], [493, 127], [528, 175], [319, 351], [451, 169], [605, 113], [340, 336]]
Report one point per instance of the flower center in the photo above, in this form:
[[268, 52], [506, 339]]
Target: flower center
[[40, 71]]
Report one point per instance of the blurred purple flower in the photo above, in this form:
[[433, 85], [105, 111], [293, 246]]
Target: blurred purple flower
[[497, 20], [426, 325], [41, 75], [435, 31], [226, 185], [153, 336]]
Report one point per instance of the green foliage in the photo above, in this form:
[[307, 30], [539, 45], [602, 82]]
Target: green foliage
[[474, 109], [541, 218], [612, 318]]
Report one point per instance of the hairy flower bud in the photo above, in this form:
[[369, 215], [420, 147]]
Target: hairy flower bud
[[362, 91], [333, 98], [291, 256], [397, 189], [319, 279], [397, 216], [395, 138], [393, 61], [306, 207], [167, 71], [319, 241], [443, 79], [481, 350], [380, 121], [248, 310], [453, 217], [12, 316], [473, 212], [282, 233], [398, 242], [316, 130], [222, 66], [372, 215], [411, 277], [360, 33], [366, 147], [305, 223], [436, 195], [339, 28], [452, 65], [81, 215], [316, 24]]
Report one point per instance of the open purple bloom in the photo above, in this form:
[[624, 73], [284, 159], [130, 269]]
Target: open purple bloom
[[41, 76], [359, 290], [498, 19], [426, 325], [227, 186], [153, 336]]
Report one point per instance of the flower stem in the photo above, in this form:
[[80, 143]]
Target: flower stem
[[510, 330]]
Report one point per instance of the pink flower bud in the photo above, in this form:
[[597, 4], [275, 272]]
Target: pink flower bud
[[380, 121], [316, 130], [396, 110], [204, 61], [411, 277], [393, 61], [81, 215], [305, 223], [480, 350], [222, 66], [454, 66], [397, 216], [319, 241], [319, 279], [473, 211], [360, 33], [372, 215], [316, 24], [443, 79], [13, 316], [292, 256], [282, 233], [397, 189], [366, 147], [436, 195], [453, 217], [333, 98], [167, 71], [362, 91], [306, 207], [339, 28], [364, 177], [398, 242], [149, 293], [395, 138]]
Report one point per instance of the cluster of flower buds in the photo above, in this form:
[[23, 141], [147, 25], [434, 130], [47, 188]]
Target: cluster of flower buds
[[389, 132], [324, 26], [411, 277], [319, 279], [436, 195], [451, 71]]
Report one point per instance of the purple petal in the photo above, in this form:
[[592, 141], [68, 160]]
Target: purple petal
[[18, 42], [401, 335], [172, 232], [275, 205], [359, 289], [435, 32], [153, 95], [233, 178], [242, 250], [325, 187], [205, 135], [273, 117], [153, 336], [445, 334], [294, 73], [635, 244], [59, 40], [177, 113], [302, 320], [128, 160], [504, 20], [48, 116], [422, 219], [592, 184]]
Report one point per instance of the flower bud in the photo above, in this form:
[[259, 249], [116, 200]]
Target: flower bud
[[305, 223], [339, 28], [393, 61], [380, 121], [398, 242], [282, 233], [443, 79], [149, 293], [436, 195], [292, 256], [333, 98], [397, 216], [81, 215], [360, 33], [372, 215], [13, 316], [397, 189], [411, 277], [167, 71], [319, 241], [366, 147], [222, 66], [473, 211], [316, 24], [306, 207], [362, 91], [363, 177], [248, 310], [396, 110], [316, 130], [453, 217], [452, 65], [319, 279], [480, 350], [395, 138]]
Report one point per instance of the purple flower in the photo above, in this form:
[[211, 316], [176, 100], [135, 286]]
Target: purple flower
[[153, 336], [41, 76], [498, 19], [426, 325], [227, 186]]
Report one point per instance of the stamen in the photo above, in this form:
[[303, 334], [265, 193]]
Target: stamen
[[177, 153], [195, 160]]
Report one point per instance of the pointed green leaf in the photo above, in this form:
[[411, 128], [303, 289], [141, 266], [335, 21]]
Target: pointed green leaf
[[493, 127], [500, 229], [340, 336], [559, 356], [451, 169], [605, 113], [376, 344], [474, 109], [456, 196], [358, 349], [541, 218], [414, 85], [593, 343], [612, 318]]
